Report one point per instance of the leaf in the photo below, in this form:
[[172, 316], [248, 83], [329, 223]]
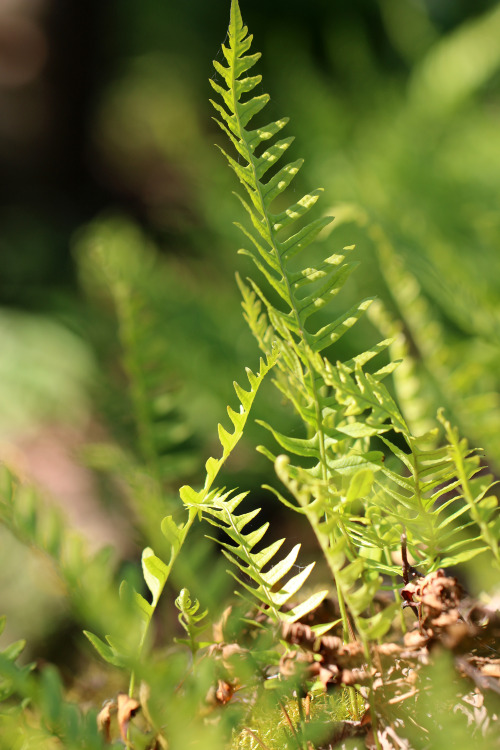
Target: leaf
[[360, 485], [305, 607], [170, 530], [277, 572], [14, 650], [189, 497], [377, 626], [104, 651], [155, 573], [461, 557]]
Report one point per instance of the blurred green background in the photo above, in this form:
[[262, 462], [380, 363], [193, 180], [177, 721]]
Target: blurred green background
[[114, 200]]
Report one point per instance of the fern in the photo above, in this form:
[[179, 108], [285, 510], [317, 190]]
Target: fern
[[330, 446], [155, 570], [118, 264], [87, 579], [60, 721], [192, 620], [358, 503], [221, 512], [452, 372]]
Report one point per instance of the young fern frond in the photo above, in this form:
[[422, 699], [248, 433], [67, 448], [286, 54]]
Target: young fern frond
[[302, 292], [157, 571], [221, 512], [357, 504], [272, 251], [192, 620], [325, 452]]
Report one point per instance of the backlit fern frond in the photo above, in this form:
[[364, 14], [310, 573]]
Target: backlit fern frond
[[271, 587], [274, 241], [156, 571], [278, 239], [327, 397]]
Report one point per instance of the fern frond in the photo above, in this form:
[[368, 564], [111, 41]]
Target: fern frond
[[481, 505], [271, 251], [450, 373], [192, 620], [87, 578], [221, 513], [42, 716], [119, 265], [356, 501], [229, 440], [155, 570], [342, 406]]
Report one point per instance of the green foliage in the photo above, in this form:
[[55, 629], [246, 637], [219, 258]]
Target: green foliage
[[342, 419], [192, 620], [41, 695], [363, 468], [221, 512]]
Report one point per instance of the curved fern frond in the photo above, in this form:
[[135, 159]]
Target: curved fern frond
[[271, 587], [229, 440], [192, 620], [155, 570]]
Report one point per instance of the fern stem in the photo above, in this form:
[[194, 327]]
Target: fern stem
[[175, 553]]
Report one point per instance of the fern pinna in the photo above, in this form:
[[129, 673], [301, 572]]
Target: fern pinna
[[357, 502]]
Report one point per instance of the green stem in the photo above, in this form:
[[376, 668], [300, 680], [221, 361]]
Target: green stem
[[175, 553]]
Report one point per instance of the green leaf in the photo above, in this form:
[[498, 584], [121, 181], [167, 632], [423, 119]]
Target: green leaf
[[360, 485], [305, 607], [104, 651], [170, 530], [462, 557], [155, 573], [377, 626], [14, 650]]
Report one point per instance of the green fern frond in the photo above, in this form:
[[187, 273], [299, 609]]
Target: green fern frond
[[271, 251], [229, 440], [118, 264], [126, 651], [474, 490], [87, 578], [356, 499], [342, 406], [221, 513], [192, 620], [452, 373]]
